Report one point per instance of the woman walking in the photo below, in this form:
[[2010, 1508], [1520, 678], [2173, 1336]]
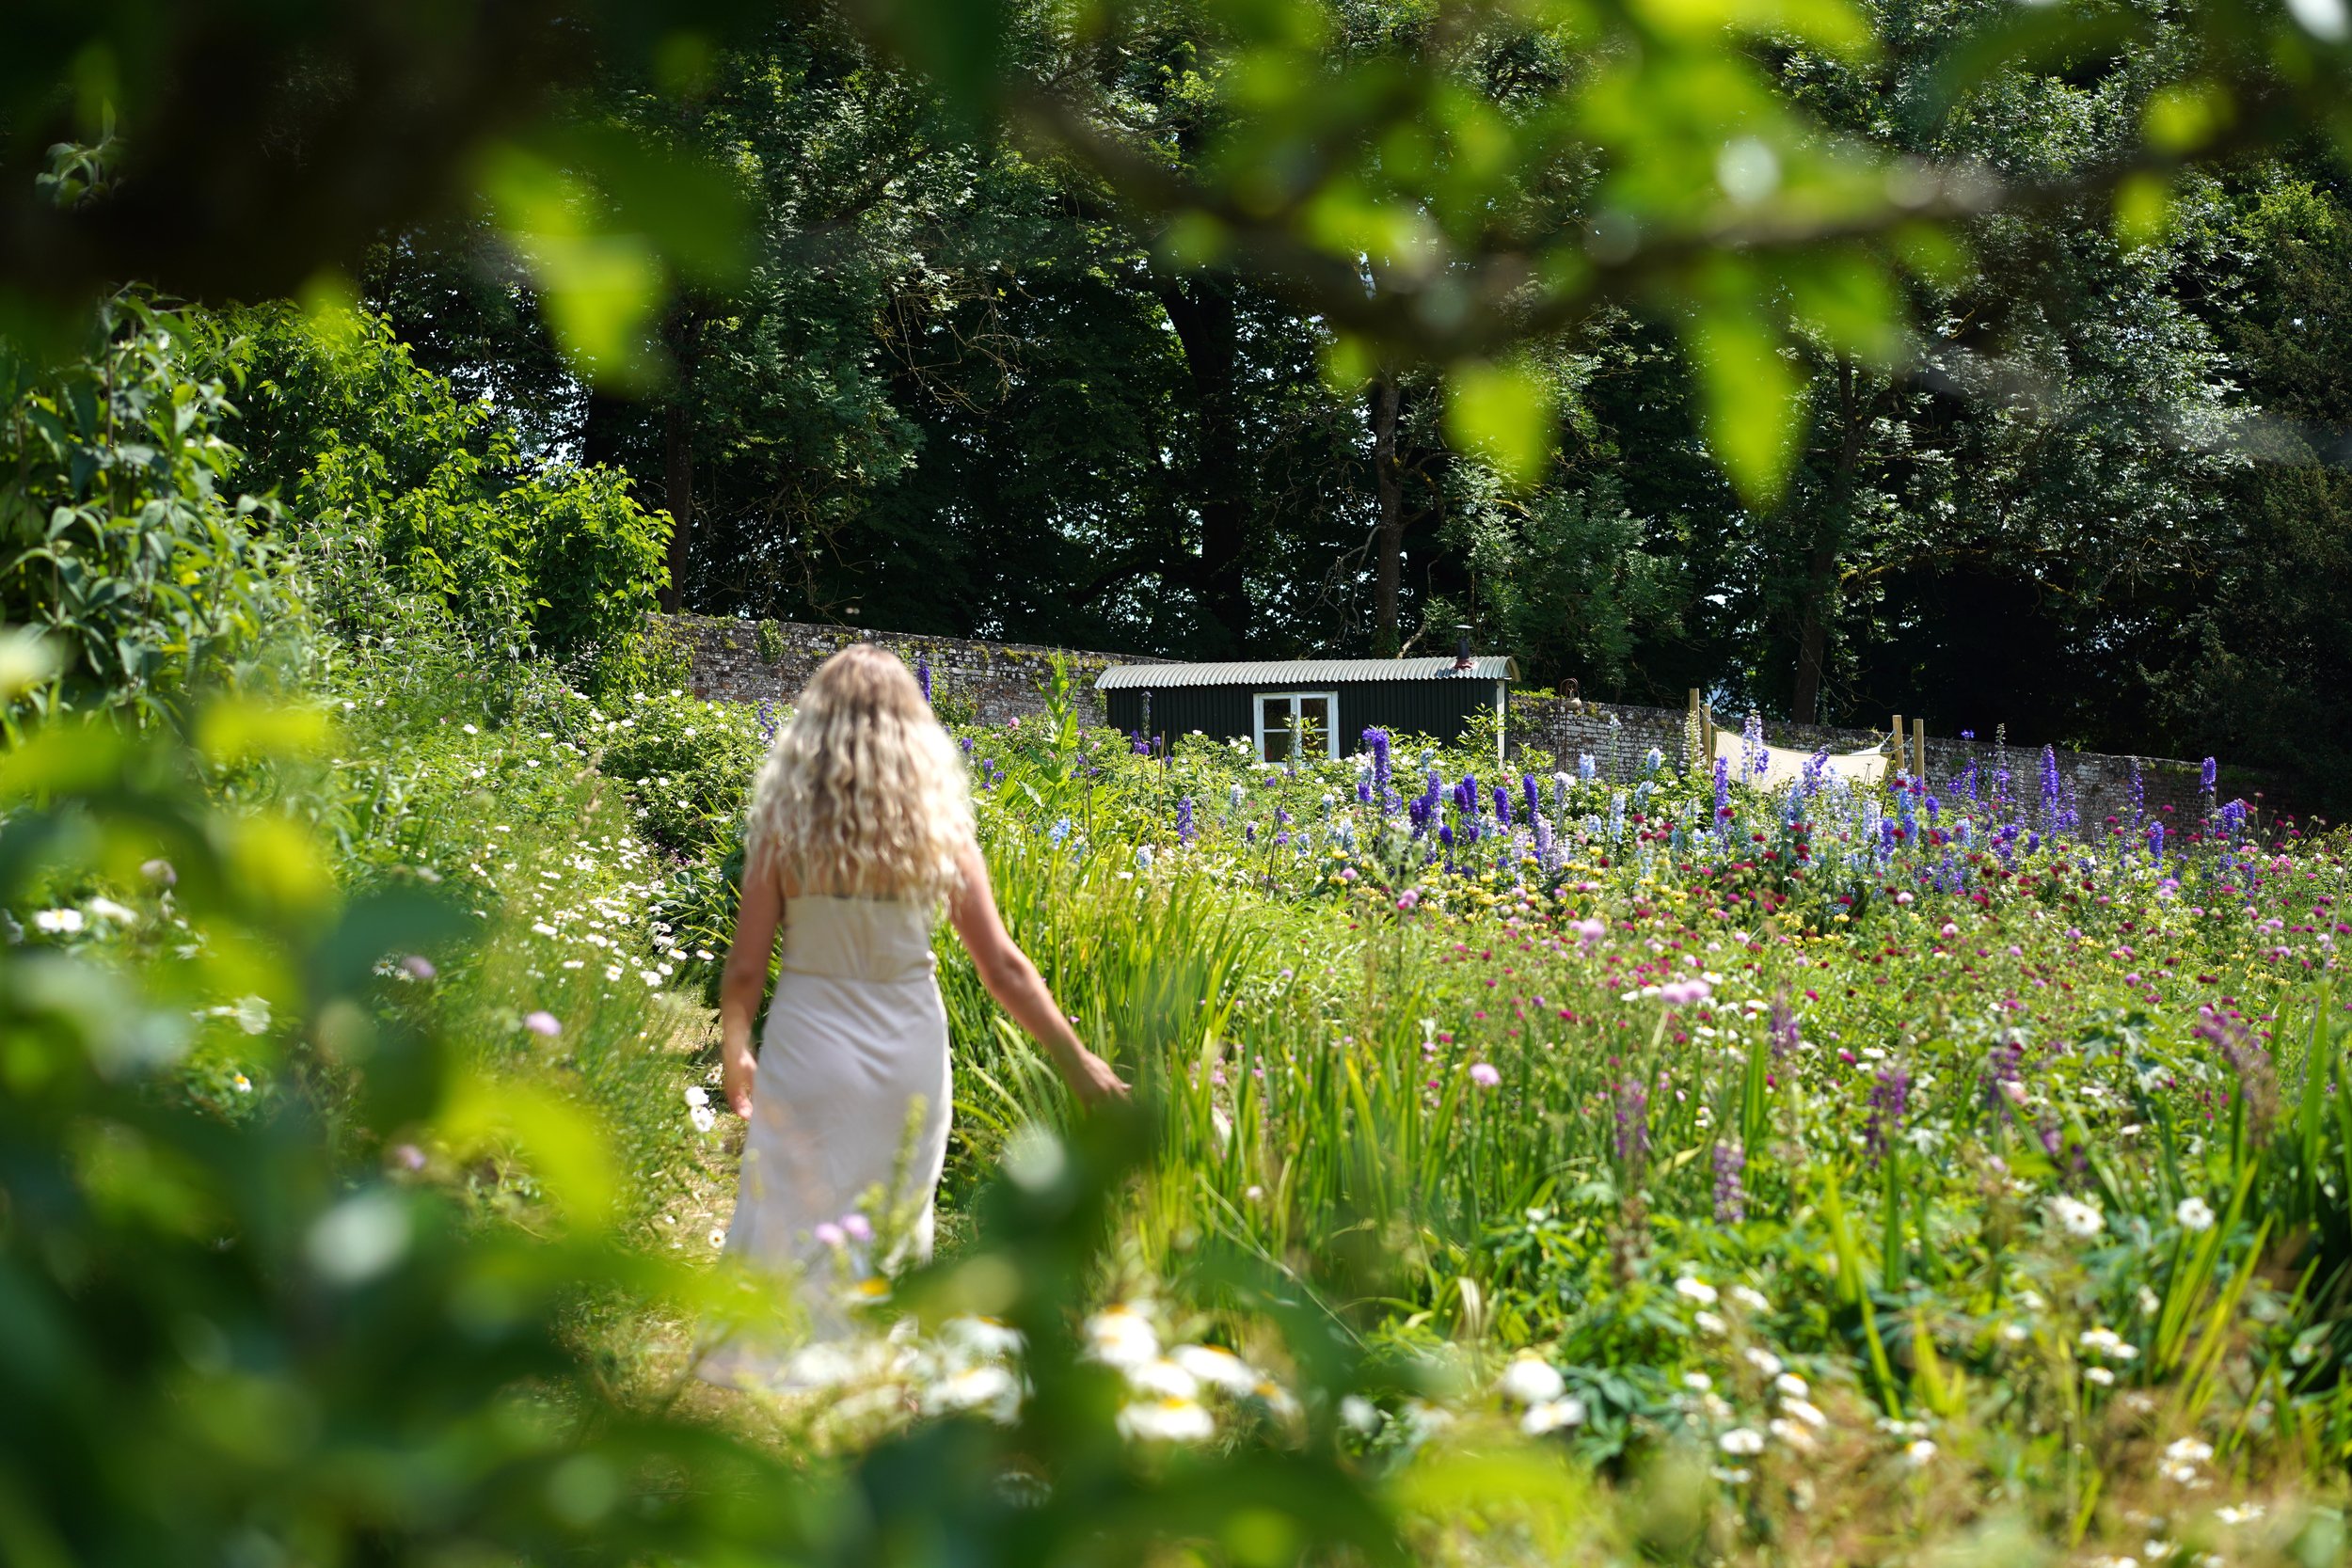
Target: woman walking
[[861, 829]]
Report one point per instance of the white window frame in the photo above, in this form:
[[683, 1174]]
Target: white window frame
[[1258, 700]]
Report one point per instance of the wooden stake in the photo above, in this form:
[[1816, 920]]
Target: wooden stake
[[1919, 750], [1895, 754]]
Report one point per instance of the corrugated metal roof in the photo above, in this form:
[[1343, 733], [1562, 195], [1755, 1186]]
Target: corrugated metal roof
[[1295, 674]]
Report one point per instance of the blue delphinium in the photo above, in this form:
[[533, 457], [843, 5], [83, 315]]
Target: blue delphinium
[[1502, 807], [1722, 789], [768, 725], [2155, 842], [1184, 820], [1378, 742], [1534, 793], [923, 676], [1585, 768]]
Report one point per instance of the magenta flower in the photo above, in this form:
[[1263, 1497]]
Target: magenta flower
[[543, 1023], [1406, 900]]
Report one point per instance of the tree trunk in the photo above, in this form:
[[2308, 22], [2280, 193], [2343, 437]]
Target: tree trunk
[[604, 426], [678, 452], [677, 492], [1805, 707], [1820, 578], [1388, 538], [1201, 308]]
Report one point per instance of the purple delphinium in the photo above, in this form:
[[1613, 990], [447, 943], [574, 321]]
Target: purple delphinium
[[1815, 766], [1546, 855], [766, 721], [1184, 820], [1502, 807], [1378, 742], [1632, 1109], [2155, 841], [1731, 1199], [2140, 796], [1722, 789], [1533, 794], [923, 676], [2051, 804], [2257, 1078], [1890, 1101], [1783, 1030], [2207, 785], [2004, 1067]]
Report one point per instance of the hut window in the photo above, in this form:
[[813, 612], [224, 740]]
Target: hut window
[[1289, 724]]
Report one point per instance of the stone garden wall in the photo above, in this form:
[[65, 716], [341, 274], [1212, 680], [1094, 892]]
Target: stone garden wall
[[747, 662], [752, 661], [1617, 737]]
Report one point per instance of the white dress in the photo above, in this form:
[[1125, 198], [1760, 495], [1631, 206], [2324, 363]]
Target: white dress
[[856, 1036]]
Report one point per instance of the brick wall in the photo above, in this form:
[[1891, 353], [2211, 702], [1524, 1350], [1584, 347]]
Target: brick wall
[[1617, 737], [991, 682]]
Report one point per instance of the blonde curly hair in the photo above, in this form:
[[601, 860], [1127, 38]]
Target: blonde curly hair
[[863, 793]]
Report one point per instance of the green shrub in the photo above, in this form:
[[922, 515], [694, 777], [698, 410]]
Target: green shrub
[[120, 536], [403, 497]]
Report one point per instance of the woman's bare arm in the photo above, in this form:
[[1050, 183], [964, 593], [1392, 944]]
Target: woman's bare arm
[[743, 981], [1014, 982]]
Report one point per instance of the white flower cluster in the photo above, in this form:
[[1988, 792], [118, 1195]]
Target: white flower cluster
[[1176, 1392]]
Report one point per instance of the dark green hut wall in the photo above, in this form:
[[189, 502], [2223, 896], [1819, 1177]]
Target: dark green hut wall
[[1222, 711], [1442, 707]]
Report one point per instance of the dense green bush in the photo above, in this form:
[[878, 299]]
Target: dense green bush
[[397, 488], [120, 536]]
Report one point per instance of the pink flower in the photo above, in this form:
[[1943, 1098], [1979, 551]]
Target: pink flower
[[857, 1227], [1950, 930], [1406, 900], [830, 1234], [541, 1023], [1484, 1076], [416, 967]]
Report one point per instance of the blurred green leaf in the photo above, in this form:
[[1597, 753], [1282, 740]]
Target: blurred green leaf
[[1505, 414], [1749, 393]]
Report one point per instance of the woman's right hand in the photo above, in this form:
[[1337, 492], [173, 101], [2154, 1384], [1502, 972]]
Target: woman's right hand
[[1091, 1080], [736, 1071]]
